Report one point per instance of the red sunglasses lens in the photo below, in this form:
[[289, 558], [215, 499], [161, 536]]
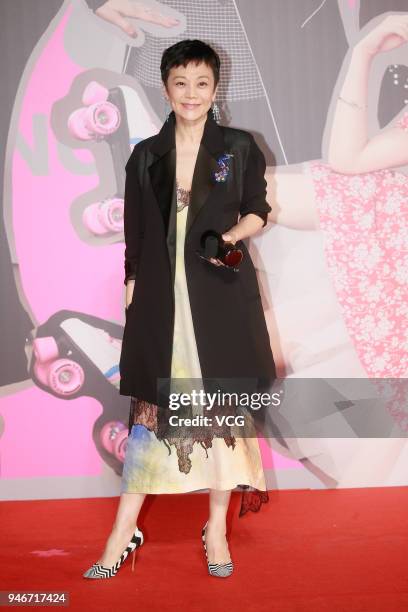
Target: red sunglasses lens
[[233, 258]]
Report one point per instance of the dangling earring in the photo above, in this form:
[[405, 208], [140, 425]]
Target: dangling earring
[[216, 112], [167, 108]]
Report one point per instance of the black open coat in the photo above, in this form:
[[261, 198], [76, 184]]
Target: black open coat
[[230, 330]]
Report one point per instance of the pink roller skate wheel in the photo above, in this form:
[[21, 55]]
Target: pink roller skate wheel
[[111, 214], [76, 125], [120, 444], [109, 432], [95, 121], [94, 92], [65, 377], [90, 219], [45, 349], [102, 118], [105, 216]]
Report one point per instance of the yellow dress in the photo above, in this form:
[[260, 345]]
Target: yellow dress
[[150, 465]]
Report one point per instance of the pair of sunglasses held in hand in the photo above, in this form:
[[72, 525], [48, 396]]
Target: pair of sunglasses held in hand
[[213, 246]]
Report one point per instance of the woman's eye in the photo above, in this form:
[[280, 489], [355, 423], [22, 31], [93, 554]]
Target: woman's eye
[[200, 84]]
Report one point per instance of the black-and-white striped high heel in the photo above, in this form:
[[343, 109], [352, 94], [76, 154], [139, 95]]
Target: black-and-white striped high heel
[[222, 570], [99, 571]]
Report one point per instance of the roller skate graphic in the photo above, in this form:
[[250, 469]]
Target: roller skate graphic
[[118, 117], [74, 354]]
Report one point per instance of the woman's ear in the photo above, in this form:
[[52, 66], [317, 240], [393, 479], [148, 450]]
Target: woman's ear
[[215, 93], [164, 92]]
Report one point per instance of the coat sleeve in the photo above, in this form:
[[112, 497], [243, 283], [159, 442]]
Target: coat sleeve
[[132, 220], [254, 187]]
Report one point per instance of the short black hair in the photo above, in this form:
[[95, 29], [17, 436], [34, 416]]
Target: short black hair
[[186, 51]]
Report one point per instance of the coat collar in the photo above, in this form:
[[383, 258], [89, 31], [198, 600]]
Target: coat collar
[[212, 139]]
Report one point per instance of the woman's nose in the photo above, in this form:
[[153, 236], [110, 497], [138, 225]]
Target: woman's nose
[[191, 91]]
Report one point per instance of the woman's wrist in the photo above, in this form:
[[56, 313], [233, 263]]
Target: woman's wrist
[[354, 90]]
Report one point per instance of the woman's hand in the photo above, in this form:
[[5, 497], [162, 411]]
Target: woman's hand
[[392, 32], [229, 237], [116, 11], [130, 287]]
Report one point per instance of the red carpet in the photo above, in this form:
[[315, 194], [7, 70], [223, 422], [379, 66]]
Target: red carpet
[[305, 551]]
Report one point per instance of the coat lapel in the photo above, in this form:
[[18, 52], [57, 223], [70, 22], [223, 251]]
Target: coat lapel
[[202, 185], [163, 174]]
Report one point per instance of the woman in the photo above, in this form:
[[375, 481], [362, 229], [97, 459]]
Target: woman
[[358, 200], [188, 318]]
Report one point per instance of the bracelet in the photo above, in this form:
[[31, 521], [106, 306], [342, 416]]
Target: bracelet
[[353, 104]]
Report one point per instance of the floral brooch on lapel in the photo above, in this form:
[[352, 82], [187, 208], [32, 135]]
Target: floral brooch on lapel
[[223, 165]]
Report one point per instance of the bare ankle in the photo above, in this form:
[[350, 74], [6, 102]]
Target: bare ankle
[[123, 527], [218, 527]]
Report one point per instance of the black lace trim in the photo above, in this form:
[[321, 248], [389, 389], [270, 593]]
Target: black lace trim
[[155, 419], [252, 500], [149, 415]]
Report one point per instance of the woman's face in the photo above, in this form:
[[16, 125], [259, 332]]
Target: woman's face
[[190, 90]]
